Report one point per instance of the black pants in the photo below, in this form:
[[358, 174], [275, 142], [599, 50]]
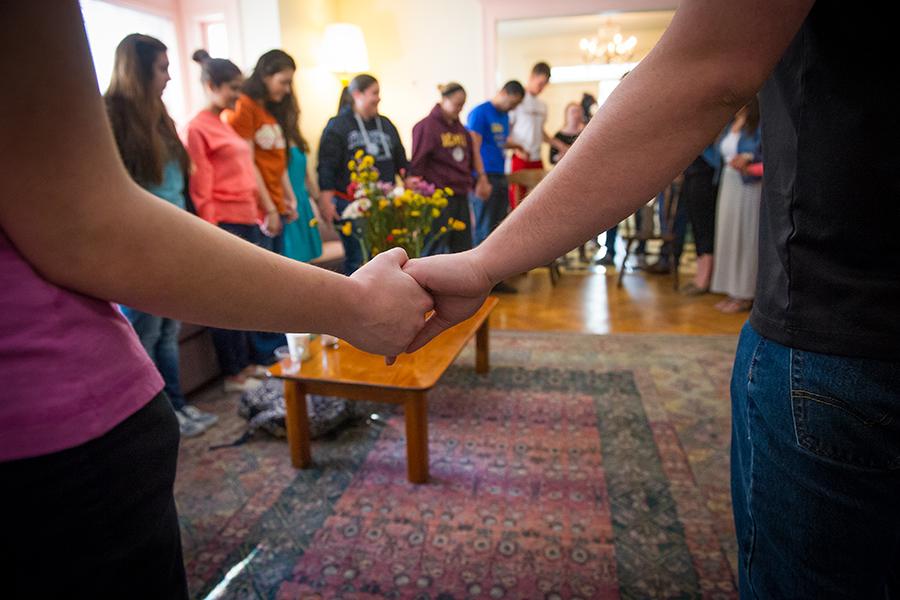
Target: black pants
[[453, 241], [97, 520], [698, 194]]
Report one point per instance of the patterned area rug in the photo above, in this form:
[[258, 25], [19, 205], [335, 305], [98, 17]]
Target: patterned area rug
[[581, 467]]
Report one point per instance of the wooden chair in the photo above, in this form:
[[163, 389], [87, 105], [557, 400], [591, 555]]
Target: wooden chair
[[650, 229], [528, 179]]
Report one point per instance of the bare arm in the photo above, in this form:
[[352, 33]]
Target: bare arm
[[87, 227], [644, 135], [272, 219], [482, 185]]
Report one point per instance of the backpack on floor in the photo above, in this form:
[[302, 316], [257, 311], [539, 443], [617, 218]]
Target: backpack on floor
[[263, 407]]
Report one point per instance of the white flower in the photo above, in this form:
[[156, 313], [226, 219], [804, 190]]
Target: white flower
[[352, 211], [397, 191], [364, 204]]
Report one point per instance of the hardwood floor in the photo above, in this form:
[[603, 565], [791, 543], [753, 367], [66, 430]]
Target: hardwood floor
[[588, 301]]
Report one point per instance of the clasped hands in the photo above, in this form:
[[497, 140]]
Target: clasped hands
[[395, 294]]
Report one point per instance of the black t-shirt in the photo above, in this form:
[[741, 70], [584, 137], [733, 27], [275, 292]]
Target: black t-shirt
[[829, 268]]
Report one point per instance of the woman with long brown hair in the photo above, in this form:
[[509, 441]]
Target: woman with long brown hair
[[157, 161]]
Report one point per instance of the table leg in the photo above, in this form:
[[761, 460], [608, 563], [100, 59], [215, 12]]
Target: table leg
[[482, 348], [416, 411], [296, 422]]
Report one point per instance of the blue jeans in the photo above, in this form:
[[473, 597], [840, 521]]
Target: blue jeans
[[490, 213], [159, 337], [815, 473]]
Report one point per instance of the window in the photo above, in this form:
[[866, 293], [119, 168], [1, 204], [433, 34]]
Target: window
[[106, 24], [215, 37]]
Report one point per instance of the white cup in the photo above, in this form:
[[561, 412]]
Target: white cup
[[298, 344]]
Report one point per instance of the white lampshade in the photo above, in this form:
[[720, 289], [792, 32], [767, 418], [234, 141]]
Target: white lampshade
[[344, 49]]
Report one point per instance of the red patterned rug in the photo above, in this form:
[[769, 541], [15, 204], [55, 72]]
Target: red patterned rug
[[581, 467]]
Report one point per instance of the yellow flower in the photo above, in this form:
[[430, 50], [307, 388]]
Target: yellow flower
[[448, 191], [438, 194], [443, 230], [435, 213], [347, 228], [313, 222], [359, 154], [367, 162], [375, 250], [351, 165], [458, 226], [353, 177], [396, 231], [415, 213], [384, 203], [398, 202], [441, 202]]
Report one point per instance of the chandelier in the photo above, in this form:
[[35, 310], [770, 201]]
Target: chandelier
[[608, 45]]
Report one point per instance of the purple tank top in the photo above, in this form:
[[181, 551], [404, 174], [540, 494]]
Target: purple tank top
[[71, 366]]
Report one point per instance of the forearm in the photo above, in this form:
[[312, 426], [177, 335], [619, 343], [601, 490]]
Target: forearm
[[645, 134], [266, 204], [290, 198], [205, 276]]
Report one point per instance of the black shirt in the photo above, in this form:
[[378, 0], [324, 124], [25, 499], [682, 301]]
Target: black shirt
[[565, 138], [829, 268], [343, 137]]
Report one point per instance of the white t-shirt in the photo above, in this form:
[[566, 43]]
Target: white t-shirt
[[526, 125]]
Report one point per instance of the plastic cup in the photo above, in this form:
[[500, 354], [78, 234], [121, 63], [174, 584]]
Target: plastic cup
[[298, 344]]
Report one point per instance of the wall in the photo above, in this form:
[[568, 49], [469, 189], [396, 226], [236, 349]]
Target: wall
[[413, 46], [517, 54]]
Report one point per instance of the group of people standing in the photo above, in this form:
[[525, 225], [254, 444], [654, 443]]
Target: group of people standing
[[242, 164]]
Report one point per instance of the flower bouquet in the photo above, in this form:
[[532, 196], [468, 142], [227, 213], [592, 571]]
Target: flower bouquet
[[387, 215]]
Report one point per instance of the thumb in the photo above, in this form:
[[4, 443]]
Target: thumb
[[396, 256], [416, 268], [434, 326]]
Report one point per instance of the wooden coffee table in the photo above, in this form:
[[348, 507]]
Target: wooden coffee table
[[356, 375]]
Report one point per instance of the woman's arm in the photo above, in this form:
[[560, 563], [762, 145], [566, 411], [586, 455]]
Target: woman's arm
[[201, 179], [84, 225], [272, 220], [290, 198]]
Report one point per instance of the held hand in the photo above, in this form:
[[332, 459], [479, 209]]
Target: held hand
[[328, 212], [740, 162], [391, 307], [483, 188], [292, 214], [271, 226], [459, 285]]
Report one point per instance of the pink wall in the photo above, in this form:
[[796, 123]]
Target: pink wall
[[495, 11]]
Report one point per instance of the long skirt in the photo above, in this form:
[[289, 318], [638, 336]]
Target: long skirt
[[737, 236]]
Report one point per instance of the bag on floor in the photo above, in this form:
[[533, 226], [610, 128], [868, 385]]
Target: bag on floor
[[263, 407]]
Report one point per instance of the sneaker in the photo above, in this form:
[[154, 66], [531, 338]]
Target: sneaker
[[198, 416], [505, 288], [241, 385], [188, 427], [607, 261]]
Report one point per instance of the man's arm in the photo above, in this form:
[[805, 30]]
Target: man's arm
[[84, 225], [646, 133]]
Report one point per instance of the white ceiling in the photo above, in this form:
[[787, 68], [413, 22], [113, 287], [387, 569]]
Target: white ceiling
[[584, 25]]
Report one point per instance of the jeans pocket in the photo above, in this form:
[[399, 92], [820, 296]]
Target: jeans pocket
[[847, 410]]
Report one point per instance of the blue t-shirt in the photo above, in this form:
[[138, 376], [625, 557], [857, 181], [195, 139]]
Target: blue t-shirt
[[493, 126]]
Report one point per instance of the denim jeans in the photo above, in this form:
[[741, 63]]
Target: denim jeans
[[159, 337], [490, 213], [815, 473]]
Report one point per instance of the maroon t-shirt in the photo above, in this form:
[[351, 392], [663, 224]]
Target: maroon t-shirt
[[442, 153]]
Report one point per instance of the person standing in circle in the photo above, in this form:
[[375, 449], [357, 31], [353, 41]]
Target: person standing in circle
[[443, 155], [157, 161]]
